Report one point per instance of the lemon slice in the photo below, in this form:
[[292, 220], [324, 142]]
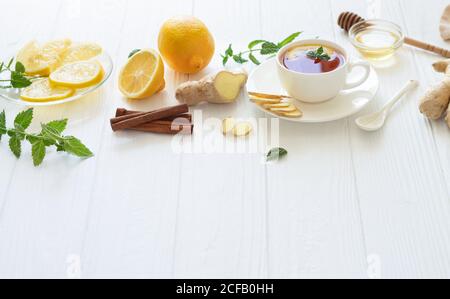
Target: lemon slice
[[52, 51], [80, 52], [42, 91], [33, 60], [143, 75], [78, 75]]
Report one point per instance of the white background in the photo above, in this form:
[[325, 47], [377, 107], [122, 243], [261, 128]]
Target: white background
[[344, 203]]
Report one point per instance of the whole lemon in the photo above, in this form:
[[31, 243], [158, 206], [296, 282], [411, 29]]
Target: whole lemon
[[186, 44]]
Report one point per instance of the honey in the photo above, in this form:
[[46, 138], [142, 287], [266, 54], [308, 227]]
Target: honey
[[376, 40]]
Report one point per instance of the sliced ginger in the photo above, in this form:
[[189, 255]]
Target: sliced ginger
[[278, 104], [238, 129], [242, 129], [262, 101], [221, 88], [228, 125]]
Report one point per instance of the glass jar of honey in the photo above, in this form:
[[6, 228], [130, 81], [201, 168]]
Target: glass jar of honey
[[376, 39]]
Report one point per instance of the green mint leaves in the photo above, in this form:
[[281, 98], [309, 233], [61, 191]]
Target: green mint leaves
[[18, 79], [262, 47], [276, 154], [2, 124], [319, 55], [50, 135]]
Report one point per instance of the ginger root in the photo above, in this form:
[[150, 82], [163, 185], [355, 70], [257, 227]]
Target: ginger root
[[436, 101], [448, 117], [223, 87]]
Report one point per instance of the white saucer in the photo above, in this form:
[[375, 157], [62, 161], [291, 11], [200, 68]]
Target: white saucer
[[264, 79]]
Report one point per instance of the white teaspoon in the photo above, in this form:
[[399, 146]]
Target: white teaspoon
[[376, 121]]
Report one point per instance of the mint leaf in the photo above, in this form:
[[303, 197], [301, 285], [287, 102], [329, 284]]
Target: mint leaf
[[20, 68], [74, 146], [276, 154], [255, 43], [289, 39], [269, 48], [239, 59], [319, 55], [33, 138], [133, 52], [58, 125], [38, 152], [18, 80], [15, 146], [229, 52], [2, 124], [225, 60], [23, 119], [253, 59], [50, 132]]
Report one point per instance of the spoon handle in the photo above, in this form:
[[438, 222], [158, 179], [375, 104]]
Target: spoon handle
[[408, 86]]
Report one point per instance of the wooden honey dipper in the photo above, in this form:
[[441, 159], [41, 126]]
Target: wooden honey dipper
[[348, 19]]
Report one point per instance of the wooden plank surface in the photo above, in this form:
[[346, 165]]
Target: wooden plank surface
[[344, 203]]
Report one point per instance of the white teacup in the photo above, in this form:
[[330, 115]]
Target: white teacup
[[316, 88]]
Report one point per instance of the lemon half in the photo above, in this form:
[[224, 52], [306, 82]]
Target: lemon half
[[42, 91], [143, 75], [78, 75]]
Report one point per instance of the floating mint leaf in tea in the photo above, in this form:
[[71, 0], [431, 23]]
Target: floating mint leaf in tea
[[319, 55]]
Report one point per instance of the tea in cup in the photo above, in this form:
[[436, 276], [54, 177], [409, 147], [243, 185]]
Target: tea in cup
[[315, 71]]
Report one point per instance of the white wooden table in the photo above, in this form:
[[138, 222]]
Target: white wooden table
[[343, 204]]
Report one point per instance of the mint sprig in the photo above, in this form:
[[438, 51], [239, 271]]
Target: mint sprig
[[17, 78], [50, 135], [265, 48], [319, 55]]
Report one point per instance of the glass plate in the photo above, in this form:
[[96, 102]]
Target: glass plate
[[13, 94]]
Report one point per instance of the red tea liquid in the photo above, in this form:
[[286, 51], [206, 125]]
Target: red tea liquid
[[297, 60]]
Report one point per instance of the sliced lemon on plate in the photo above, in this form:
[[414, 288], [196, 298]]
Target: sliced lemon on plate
[[42, 91], [52, 51], [80, 52], [78, 75], [41, 60], [143, 75], [33, 60]]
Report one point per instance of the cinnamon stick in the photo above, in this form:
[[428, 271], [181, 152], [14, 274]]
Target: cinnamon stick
[[165, 127], [134, 120], [123, 111]]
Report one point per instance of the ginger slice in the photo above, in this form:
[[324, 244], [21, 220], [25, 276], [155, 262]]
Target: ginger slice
[[261, 101], [268, 96], [280, 105], [242, 129], [228, 125], [290, 108], [294, 114]]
